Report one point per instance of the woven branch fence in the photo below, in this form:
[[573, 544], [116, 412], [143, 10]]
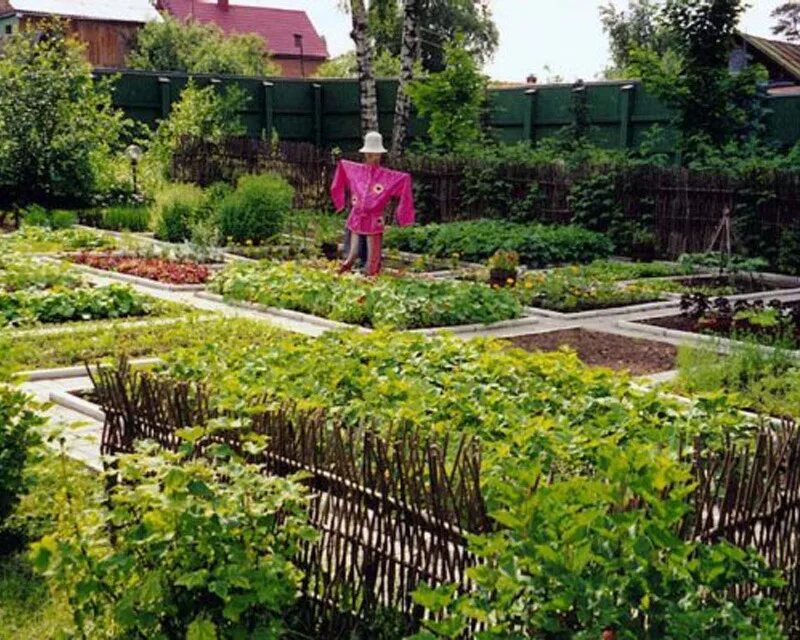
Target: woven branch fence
[[683, 208], [393, 511]]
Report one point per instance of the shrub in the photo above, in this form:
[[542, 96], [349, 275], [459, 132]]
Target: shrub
[[125, 218], [18, 422], [477, 240], [176, 208], [38, 216], [199, 549], [256, 210], [57, 125]]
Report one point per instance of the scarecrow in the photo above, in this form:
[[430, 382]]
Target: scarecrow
[[371, 187]]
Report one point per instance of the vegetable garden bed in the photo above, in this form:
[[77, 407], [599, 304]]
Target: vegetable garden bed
[[604, 349], [179, 275], [38, 240], [386, 301]]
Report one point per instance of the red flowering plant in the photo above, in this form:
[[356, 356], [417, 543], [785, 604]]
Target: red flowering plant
[[152, 268]]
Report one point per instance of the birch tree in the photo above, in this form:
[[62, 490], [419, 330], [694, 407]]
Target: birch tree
[[409, 54], [364, 59]]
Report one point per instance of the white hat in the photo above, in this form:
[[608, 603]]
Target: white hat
[[373, 143]]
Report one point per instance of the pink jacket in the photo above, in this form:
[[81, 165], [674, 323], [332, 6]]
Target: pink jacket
[[371, 189]]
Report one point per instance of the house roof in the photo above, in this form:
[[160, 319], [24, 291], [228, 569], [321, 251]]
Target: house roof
[[276, 26], [139, 11], [785, 54]]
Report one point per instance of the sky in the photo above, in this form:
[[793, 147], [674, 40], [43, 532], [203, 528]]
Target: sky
[[564, 35]]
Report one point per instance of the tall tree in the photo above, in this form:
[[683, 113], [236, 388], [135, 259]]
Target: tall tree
[[408, 56], [788, 17], [366, 71], [439, 23], [638, 27]]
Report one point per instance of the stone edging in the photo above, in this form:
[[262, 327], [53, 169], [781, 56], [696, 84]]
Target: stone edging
[[62, 373], [601, 313], [79, 405]]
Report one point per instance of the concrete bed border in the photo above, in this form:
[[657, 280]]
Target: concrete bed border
[[724, 345], [602, 313], [78, 371], [91, 325], [298, 316], [69, 401]]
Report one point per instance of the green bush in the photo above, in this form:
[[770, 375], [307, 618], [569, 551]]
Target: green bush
[[537, 245], [38, 216], [125, 218], [58, 127], [198, 549], [256, 210], [176, 208], [18, 424]]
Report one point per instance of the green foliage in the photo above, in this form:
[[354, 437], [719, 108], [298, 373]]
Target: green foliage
[[403, 303], [199, 549], [38, 216], [256, 210], [126, 218], [757, 379], [639, 27], [787, 15], [203, 114], [713, 107], [577, 556], [789, 253], [443, 21], [175, 210], [19, 422], [34, 239], [18, 273], [385, 65], [452, 100], [57, 125], [172, 44], [537, 245]]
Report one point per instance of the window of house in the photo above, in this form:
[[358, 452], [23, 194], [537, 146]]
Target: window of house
[[9, 28]]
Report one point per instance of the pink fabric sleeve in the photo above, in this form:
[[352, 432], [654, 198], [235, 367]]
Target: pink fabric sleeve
[[338, 187], [405, 208]]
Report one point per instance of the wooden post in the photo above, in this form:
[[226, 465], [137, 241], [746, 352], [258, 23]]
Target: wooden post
[[626, 111], [166, 96], [317, 88], [268, 114], [529, 123]]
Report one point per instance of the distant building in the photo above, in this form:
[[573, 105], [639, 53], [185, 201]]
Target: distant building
[[291, 37], [108, 28], [781, 59]]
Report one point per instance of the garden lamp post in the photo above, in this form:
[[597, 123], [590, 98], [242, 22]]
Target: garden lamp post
[[134, 154], [298, 43]]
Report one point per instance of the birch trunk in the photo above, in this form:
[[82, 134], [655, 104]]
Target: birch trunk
[[366, 71], [409, 53]]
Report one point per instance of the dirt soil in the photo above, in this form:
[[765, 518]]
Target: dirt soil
[[595, 348]]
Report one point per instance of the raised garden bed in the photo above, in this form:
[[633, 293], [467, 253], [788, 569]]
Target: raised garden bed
[[727, 285], [602, 349], [387, 301], [767, 323], [161, 270], [39, 240]]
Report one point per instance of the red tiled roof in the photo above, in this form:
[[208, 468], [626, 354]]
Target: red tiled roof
[[785, 54], [276, 26]]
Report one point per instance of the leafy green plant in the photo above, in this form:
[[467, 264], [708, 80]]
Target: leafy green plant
[[25, 308], [18, 273], [405, 303], [56, 219], [256, 210], [579, 556], [505, 260], [125, 218], [185, 531], [19, 422], [34, 239], [476, 240], [58, 127], [175, 209]]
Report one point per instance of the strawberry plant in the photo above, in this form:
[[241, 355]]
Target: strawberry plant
[[386, 301]]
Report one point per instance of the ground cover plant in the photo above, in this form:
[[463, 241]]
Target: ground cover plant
[[386, 301], [110, 340], [18, 272], [476, 241], [34, 239], [606, 450], [158, 269], [755, 379]]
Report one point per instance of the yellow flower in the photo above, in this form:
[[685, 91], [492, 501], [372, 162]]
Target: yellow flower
[[249, 243], [509, 280]]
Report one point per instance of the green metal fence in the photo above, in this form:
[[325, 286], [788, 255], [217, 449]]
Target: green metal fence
[[326, 112]]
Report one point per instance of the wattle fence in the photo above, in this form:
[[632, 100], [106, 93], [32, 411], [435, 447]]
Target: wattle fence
[[394, 512], [683, 207]]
